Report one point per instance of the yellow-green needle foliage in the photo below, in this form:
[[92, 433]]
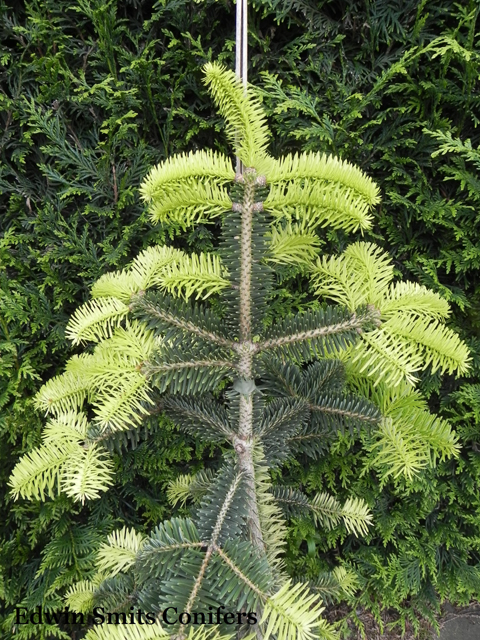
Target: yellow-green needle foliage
[[411, 335]]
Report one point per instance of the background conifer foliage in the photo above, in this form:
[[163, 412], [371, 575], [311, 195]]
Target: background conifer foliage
[[94, 94]]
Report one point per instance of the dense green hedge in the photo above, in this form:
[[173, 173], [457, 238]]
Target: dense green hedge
[[92, 94]]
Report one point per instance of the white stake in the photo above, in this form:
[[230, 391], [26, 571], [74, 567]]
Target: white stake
[[241, 41], [241, 51]]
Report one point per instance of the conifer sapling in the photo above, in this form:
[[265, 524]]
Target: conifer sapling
[[226, 374]]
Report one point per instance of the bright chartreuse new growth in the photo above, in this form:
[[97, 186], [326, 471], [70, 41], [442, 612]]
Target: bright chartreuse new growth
[[190, 336]]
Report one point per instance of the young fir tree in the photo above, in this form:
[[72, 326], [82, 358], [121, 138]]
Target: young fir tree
[[263, 391]]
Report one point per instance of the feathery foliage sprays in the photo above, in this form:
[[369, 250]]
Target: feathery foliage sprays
[[226, 374]]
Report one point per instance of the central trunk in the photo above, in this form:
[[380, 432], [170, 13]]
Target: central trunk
[[244, 443]]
